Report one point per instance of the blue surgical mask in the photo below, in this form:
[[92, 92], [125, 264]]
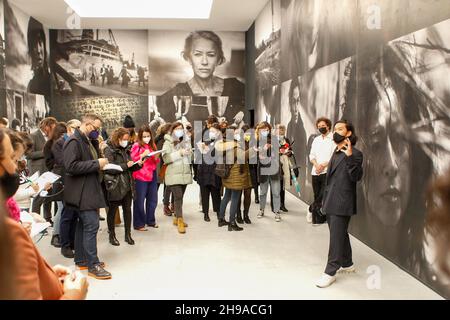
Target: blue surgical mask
[[179, 133], [65, 137], [93, 135], [265, 134]]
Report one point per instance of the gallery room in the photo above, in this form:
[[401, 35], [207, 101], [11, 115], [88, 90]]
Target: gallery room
[[214, 151]]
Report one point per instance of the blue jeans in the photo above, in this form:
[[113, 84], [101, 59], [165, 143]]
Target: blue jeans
[[86, 239], [144, 205], [57, 218], [234, 196], [68, 224], [275, 187]]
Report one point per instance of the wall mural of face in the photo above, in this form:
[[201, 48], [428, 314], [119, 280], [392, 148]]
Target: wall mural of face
[[38, 54], [387, 177], [203, 58]]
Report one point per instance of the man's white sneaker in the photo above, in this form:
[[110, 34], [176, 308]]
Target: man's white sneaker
[[277, 217], [309, 217], [260, 214], [350, 269], [325, 281]]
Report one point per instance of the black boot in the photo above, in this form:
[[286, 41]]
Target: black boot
[[56, 241], [223, 222], [246, 218], [67, 252], [234, 227], [206, 218], [112, 239], [128, 238], [239, 217], [282, 197]]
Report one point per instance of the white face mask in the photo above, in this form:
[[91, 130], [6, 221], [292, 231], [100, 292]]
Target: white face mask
[[124, 144], [212, 135], [237, 137], [146, 140]]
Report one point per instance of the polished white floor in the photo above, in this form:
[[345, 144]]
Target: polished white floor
[[268, 260]]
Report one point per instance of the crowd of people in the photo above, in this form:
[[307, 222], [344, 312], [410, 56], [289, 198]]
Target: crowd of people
[[127, 169]]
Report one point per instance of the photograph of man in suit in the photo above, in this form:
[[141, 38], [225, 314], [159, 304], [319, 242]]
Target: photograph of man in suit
[[36, 160], [339, 201]]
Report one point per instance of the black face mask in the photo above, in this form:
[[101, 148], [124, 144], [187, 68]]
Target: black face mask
[[323, 130], [338, 138], [9, 183]]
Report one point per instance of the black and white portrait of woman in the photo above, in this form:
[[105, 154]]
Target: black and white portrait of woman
[[203, 90], [402, 117]]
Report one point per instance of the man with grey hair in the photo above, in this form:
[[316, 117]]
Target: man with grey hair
[[83, 165]]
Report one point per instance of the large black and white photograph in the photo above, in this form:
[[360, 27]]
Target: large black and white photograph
[[195, 74], [27, 67], [24, 111], [316, 33], [2, 45], [93, 62], [322, 93], [268, 45], [402, 120]]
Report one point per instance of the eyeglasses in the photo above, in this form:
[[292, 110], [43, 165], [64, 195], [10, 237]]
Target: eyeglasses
[[96, 128]]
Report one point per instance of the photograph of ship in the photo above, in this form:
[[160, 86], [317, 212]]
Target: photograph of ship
[[268, 45], [99, 62]]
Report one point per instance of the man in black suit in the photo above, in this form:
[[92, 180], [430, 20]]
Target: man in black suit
[[339, 201]]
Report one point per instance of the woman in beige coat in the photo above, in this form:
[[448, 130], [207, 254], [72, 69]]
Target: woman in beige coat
[[177, 155]]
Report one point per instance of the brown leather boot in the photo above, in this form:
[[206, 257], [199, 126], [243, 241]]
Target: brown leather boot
[[181, 226]]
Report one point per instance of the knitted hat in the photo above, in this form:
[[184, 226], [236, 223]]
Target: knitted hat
[[128, 122]]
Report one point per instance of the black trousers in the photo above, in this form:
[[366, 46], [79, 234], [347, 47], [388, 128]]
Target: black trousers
[[247, 201], [318, 184], [178, 191], [38, 202], [125, 203], [167, 195], [205, 192], [340, 250]]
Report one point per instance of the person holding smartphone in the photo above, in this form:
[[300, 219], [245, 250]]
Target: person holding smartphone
[[339, 201]]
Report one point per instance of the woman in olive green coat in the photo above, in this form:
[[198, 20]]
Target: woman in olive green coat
[[177, 155]]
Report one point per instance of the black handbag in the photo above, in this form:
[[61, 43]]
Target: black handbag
[[115, 185], [222, 170]]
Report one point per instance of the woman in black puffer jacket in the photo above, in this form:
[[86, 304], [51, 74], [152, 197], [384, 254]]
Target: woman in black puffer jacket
[[210, 183], [120, 184]]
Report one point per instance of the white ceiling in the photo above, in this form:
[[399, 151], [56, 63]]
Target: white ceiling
[[226, 15]]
